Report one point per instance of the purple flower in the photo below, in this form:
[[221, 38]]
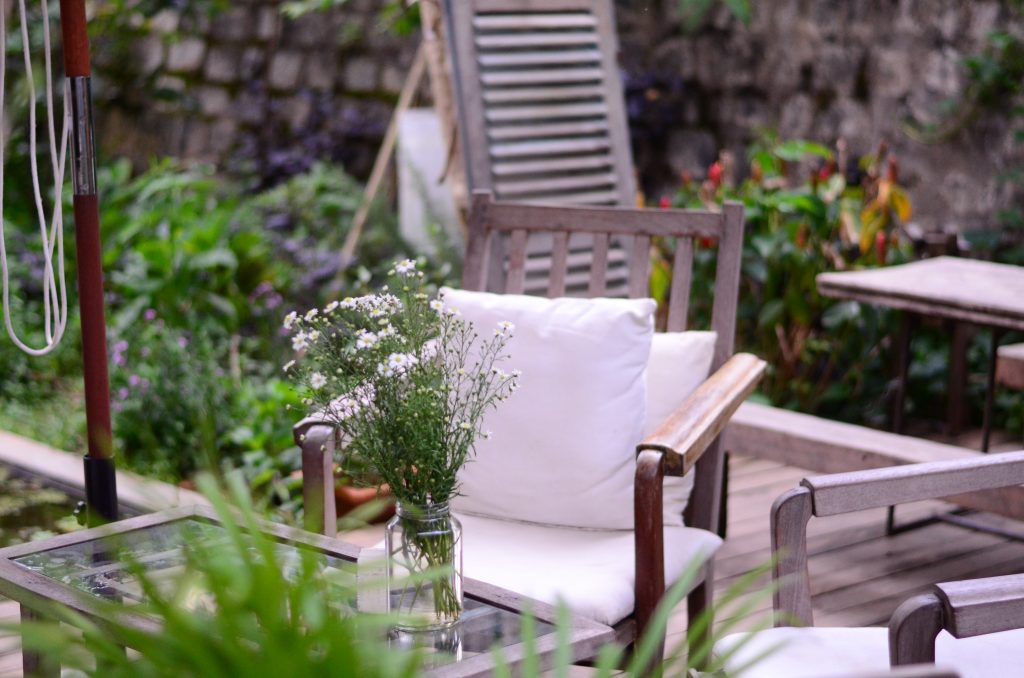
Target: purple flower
[[134, 380], [122, 393], [149, 315], [118, 359], [182, 342], [121, 346]]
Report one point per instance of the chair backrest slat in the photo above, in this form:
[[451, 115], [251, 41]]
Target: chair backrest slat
[[639, 265], [679, 293], [516, 276], [727, 282], [559, 265], [599, 266]]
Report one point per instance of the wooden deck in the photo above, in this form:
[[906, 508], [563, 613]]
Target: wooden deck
[[858, 575]]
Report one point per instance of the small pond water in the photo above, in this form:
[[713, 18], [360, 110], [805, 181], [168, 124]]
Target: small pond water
[[31, 510]]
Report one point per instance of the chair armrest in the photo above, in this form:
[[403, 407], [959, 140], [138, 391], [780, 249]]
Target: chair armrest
[[874, 488], [317, 440], [858, 490], [978, 606], [690, 430], [967, 608]]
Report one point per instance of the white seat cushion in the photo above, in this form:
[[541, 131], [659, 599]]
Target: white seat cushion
[[562, 450], [592, 571], [825, 652]]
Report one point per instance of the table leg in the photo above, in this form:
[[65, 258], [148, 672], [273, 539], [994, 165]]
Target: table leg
[[956, 413], [899, 393], [33, 663], [990, 390]]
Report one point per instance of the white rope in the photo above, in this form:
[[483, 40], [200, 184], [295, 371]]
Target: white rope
[[55, 297]]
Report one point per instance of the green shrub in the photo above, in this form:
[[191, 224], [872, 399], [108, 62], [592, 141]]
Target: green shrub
[[824, 356]]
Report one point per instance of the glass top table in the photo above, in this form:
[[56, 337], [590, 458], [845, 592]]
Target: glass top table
[[84, 569]]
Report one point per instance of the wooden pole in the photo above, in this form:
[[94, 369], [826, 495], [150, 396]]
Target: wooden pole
[[100, 479]]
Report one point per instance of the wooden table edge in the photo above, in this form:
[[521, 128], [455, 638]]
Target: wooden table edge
[[919, 305]]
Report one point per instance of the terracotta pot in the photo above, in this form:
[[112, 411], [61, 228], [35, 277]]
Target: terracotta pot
[[347, 497]]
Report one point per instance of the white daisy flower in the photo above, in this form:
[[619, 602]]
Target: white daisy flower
[[288, 365], [300, 341], [311, 313], [289, 320], [317, 380], [405, 267], [506, 328], [331, 306], [397, 364], [366, 340], [349, 303], [437, 305]]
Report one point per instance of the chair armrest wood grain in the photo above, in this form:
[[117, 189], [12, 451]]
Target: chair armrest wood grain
[[691, 429], [874, 488], [975, 607], [965, 608]]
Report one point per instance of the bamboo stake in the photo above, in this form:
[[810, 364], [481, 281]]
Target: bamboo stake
[[380, 165]]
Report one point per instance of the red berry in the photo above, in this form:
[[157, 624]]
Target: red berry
[[664, 203]]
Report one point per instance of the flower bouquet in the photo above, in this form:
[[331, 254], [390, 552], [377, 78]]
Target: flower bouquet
[[406, 382]]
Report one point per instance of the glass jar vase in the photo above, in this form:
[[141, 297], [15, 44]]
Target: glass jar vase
[[424, 573]]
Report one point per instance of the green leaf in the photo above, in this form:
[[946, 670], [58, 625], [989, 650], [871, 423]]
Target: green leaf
[[772, 313], [213, 259], [798, 149], [741, 9]]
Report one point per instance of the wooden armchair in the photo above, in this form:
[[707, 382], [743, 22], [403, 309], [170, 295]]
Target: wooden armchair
[[992, 607], [687, 440], [496, 261]]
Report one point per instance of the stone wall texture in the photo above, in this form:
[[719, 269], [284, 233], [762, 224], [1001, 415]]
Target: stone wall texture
[[859, 70]]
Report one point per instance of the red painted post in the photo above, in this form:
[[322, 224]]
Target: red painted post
[[100, 480]]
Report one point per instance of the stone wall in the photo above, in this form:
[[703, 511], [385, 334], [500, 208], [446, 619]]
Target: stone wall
[[249, 84], [860, 70]]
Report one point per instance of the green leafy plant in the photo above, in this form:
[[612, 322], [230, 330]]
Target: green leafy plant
[[174, 241], [171, 398], [265, 614], [804, 218]]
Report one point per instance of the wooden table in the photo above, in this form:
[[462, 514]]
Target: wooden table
[[949, 288], [75, 570]]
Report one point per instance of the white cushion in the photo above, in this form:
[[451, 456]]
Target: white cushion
[[592, 571], [562, 450], [826, 652], [679, 363]]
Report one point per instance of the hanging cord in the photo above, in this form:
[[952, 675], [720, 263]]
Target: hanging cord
[[55, 297]]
